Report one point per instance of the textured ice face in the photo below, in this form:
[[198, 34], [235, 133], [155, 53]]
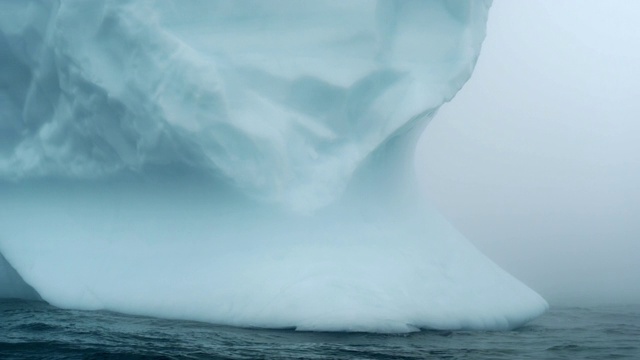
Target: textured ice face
[[239, 162], [283, 99]]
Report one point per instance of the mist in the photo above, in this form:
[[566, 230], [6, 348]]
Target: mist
[[537, 159]]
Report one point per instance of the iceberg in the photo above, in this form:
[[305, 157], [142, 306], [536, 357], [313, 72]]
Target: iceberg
[[247, 163]]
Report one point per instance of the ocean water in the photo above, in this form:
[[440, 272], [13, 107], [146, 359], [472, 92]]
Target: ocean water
[[36, 330]]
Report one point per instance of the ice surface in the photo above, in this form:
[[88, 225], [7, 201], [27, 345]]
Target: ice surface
[[245, 163], [11, 284]]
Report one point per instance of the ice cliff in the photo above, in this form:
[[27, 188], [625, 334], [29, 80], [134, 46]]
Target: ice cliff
[[239, 162]]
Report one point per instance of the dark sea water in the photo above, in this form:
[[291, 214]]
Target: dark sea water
[[35, 330]]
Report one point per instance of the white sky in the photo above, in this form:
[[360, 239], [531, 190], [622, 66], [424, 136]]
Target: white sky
[[537, 159]]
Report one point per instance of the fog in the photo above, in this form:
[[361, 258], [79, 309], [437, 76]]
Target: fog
[[537, 159]]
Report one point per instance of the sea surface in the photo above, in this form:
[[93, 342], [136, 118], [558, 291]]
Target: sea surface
[[36, 330]]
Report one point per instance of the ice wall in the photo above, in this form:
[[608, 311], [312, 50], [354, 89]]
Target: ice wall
[[245, 163]]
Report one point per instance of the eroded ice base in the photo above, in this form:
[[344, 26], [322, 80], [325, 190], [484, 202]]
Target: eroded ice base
[[171, 252]]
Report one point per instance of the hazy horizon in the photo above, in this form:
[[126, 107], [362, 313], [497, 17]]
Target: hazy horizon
[[537, 159]]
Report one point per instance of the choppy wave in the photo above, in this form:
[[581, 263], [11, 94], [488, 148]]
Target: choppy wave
[[36, 330]]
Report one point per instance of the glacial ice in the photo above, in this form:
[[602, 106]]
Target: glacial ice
[[245, 163]]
